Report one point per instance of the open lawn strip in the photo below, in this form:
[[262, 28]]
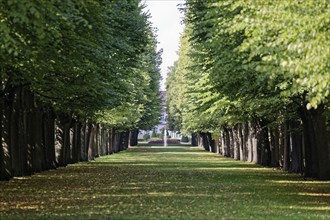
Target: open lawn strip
[[164, 183]]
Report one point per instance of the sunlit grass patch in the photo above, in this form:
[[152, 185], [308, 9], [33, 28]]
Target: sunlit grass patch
[[158, 183]]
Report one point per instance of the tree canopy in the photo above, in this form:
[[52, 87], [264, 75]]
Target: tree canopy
[[251, 61], [89, 58]]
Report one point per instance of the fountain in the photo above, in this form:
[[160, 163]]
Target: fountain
[[165, 138]]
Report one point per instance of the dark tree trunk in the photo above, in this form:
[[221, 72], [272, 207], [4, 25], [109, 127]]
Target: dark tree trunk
[[133, 141], [241, 143], [116, 141], [112, 141], [204, 141], [125, 139], [5, 152], [19, 133], [296, 147], [286, 147], [63, 139], [232, 143], [211, 143], [194, 139], [83, 147], [227, 143], [263, 144], [274, 147], [317, 156], [76, 145], [49, 139], [91, 151], [102, 140], [236, 142], [97, 140], [35, 129]]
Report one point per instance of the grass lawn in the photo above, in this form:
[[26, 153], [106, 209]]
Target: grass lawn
[[164, 183]]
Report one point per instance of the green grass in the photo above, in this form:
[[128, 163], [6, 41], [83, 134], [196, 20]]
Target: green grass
[[164, 183]]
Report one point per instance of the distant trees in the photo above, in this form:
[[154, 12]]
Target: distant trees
[[253, 80], [75, 78]]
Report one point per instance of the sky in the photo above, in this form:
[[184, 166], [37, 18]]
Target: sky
[[167, 18]]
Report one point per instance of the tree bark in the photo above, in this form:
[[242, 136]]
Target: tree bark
[[296, 147], [49, 139], [5, 151], [236, 142], [263, 143], [274, 147], [227, 143], [252, 144], [194, 139], [286, 147], [91, 150], [205, 142], [133, 141], [316, 143]]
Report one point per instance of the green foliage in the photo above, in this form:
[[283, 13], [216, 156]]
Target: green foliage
[[153, 134], [93, 59], [146, 137], [184, 139], [164, 183], [244, 60]]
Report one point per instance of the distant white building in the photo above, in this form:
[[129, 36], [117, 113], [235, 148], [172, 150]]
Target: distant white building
[[162, 121]]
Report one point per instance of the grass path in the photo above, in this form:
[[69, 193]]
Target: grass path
[[158, 183]]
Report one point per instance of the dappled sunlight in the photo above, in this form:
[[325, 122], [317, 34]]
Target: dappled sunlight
[[315, 194], [252, 169], [157, 183], [312, 182], [315, 207]]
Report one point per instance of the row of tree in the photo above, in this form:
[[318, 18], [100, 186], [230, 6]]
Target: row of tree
[[252, 80], [77, 79]]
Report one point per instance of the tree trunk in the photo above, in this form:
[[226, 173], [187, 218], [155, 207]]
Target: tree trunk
[[5, 152], [194, 139], [112, 141], [76, 145], [91, 151], [133, 141], [232, 143], [263, 144], [227, 143], [97, 140], [274, 147], [211, 143], [35, 128], [241, 143], [63, 139], [236, 142], [296, 147], [286, 147], [49, 139], [317, 156], [23, 155], [205, 142], [252, 144], [116, 141]]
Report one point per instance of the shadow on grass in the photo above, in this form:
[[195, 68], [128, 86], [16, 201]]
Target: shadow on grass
[[172, 183]]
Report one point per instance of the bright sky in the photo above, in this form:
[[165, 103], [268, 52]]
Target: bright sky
[[166, 16]]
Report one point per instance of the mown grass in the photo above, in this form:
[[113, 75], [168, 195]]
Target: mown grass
[[159, 183]]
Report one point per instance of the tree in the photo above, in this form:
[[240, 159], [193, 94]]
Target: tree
[[250, 74], [86, 72]]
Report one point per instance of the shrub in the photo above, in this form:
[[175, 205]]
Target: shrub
[[184, 139], [146, 137], [153, 135]]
